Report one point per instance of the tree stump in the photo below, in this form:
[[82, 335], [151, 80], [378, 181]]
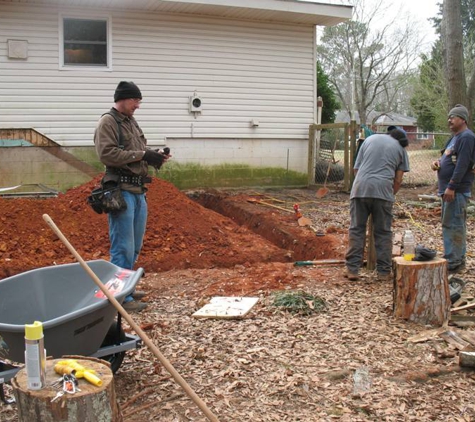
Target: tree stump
[[91, 404], [421, 291]]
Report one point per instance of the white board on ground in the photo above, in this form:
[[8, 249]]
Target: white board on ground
[[226, 307]]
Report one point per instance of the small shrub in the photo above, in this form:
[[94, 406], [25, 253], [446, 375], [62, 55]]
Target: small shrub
[[298, 302]]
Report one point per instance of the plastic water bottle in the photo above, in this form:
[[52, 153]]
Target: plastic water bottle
[[361, 381], [409, 246]]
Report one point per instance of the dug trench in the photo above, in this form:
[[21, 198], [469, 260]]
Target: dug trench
[[205, 230], [276, 223]]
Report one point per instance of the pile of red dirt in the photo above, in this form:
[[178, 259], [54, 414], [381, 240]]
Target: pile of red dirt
[[180, 233]]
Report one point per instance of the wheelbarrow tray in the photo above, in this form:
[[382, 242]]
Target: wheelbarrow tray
[[75, 313]]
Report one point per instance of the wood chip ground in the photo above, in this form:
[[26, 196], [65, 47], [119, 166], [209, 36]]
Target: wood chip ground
[[274, 366]]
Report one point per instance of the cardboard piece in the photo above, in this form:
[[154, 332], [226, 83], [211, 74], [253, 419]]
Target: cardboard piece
[[226, 307]]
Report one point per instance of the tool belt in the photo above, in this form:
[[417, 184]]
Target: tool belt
[[107, 198], [134, 180]]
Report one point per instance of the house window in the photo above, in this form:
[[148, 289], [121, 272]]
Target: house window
[[85, 43]]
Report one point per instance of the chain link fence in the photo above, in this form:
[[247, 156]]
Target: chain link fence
[[331, 159], [423, 149], [330, 163]]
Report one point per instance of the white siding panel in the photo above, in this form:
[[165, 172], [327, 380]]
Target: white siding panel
[[241, 70]]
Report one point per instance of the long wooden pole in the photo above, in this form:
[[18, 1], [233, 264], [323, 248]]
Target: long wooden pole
[[164, 361]]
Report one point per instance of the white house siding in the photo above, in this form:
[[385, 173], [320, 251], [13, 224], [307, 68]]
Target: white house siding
[[242, 71]]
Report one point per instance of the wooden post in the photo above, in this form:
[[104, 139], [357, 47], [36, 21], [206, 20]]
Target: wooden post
[[371, 249], [421, 291], [91, 404]]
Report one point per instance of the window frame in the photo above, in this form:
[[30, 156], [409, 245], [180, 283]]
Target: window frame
[[107, 19], [422, 135]]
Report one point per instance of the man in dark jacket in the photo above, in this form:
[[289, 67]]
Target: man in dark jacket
[[122, 148], [455, 178]]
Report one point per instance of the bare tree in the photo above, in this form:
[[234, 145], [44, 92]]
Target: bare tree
[[369, 57]]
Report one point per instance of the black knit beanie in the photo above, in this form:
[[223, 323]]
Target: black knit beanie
[[401, 136], [126, 90]]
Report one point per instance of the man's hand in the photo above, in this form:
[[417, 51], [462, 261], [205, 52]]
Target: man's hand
[[166, 153], [449, 195], [435, 165], [153, 158]]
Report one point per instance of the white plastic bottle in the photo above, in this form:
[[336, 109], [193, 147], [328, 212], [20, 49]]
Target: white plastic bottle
[[35, 356], [409, 246], [361, 381]]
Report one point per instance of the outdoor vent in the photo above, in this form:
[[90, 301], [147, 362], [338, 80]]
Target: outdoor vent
[[195, 104]]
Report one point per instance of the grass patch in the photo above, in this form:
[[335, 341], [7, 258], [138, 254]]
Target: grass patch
[[299, 302], [192, 175]]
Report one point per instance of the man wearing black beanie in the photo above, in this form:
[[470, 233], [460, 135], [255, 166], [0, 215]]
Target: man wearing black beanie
[[127, 90], [122, 147]]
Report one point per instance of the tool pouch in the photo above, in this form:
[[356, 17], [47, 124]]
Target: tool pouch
[[107, 198]]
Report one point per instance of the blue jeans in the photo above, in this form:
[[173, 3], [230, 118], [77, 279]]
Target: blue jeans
[[381, 211], [126, 232], [454, 230]]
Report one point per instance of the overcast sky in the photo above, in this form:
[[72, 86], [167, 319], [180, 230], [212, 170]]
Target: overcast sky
[[422, 10], [419, 11]]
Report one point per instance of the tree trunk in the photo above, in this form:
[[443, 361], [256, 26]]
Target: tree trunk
[[91, 404], [421, 291], [453, 47]]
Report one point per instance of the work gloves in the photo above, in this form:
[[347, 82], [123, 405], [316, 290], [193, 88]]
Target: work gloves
[[424, 254], [153, 158]]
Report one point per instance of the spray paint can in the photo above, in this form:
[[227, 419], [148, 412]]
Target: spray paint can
[[35, 356]]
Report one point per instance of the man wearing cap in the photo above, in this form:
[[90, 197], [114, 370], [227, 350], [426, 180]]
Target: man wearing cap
[[455, 178], [122, 148], [379, 169]]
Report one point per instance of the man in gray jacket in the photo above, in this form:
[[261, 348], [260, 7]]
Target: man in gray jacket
[[379, 169], [122, 148]]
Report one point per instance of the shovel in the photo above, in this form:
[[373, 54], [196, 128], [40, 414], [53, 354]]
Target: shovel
[[306, 222], [324, 190]]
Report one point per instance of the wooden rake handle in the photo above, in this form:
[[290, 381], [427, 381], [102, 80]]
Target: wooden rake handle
[[164, 361]]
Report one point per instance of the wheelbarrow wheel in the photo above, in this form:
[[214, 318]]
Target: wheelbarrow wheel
[[114, 336]]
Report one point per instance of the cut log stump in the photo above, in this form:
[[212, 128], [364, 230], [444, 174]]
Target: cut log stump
[[91, 404], [421, 291]]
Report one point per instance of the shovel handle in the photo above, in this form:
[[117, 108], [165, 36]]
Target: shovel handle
[[320, 262]]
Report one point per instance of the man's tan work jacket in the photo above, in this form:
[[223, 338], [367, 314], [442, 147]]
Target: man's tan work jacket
[[127, 160]]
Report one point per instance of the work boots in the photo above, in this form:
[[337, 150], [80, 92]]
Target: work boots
[[134, 306], [350, 276]]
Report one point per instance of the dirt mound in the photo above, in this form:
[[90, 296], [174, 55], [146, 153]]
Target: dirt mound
[[180, 233]]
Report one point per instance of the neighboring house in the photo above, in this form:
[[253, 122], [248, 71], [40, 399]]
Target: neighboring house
[[379, 122], [409, 124], [223, 81], [343, 116]]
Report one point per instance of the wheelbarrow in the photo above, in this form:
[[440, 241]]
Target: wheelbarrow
[[77, 317]]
